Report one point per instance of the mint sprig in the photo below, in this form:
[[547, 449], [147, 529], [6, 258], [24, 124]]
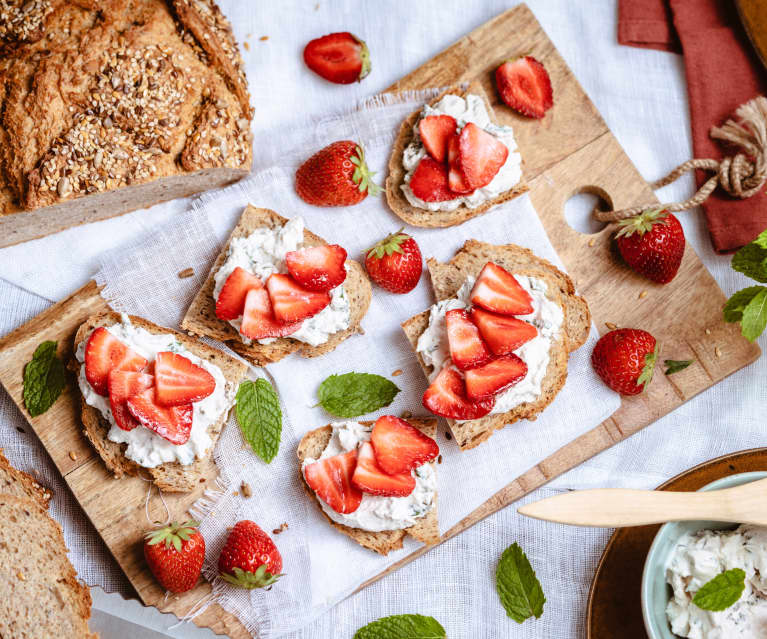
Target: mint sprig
[[676, 365], [258, 412], [722, 591], [749, 305], [44, 379], [518, 588], [355, 394], [402, 627]]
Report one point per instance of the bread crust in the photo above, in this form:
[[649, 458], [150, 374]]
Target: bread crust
[[21, 484]]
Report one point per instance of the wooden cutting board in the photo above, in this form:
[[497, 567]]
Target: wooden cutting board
[[569, 151]]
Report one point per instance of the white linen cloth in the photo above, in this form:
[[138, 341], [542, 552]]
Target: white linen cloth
[[642, 96]]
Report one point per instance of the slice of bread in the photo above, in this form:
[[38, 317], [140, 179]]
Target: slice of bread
[[172, 476], [20, 484], [40, 596], [426, 530], [422, 217], [447, 279], [201, 318]]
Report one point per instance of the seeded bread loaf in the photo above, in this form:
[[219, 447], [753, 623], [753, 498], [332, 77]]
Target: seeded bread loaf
[[20, 484], [426, 530], [108, 106], [449, 277]]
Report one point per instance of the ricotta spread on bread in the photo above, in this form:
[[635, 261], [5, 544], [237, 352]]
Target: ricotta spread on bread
[[469, 109], [145, 447], [547, 317], [377, 513], [263, 253]]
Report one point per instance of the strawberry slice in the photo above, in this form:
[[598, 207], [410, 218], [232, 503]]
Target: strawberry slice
[[103, 353], [467, 350], [481, 155], [318, 268], [525, 86], [369, 477], [178, 381], [258, 321], [502, 334], [331, 479], [498, 291], [291, 302], [400, 447], [231, 298], [456, 180], [338, 57], [429, 182], [122, 386], [498, 375], [435, 131], [446, 397], [173, 423]]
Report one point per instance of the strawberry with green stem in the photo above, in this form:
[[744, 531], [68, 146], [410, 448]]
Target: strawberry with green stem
[[249, 558], [652, 243], [395, 263], [625, 359], [175, 554]]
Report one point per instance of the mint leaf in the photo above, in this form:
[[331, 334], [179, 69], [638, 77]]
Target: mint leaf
[[44, 379], [676, 365], [754, 318], [402, 627], [761, 239], [260, 418], [518, 588], [722, 591], [751, 260], [733, 309], [355, 394]]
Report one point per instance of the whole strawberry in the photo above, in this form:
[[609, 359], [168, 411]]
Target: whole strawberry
[[395, 263], [175, 554], [625, 359], [652, 243], [336, 176], [249, 558]]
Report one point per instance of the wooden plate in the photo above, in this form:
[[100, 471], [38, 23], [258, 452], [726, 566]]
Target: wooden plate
[[614, 601]]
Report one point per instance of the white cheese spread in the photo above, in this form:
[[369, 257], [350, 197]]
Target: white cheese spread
[[145, 447], [377, 513], [470, 109], [263, 253]]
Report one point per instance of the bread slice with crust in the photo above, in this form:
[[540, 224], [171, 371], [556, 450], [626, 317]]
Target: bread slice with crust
[[426, 530], [20, 484], [448, 278], [171, 476], [422, 217], [201, 318]]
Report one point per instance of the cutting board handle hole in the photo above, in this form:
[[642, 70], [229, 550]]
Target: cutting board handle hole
[[581, 203]]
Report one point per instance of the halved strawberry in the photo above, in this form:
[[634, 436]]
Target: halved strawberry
[[481, 155], [123, 385], [429, 181], [231, 299], [400, 447], [369, 477], [318, 268], [331, 479], [498, 375], [498, 291], [173, 423], [435, 131], [446, 397], [525, 86], [178, 381], [456, 180], [103, 353], [291, 302], [339, 57], [258, 321], [467, 350], [502, 334]]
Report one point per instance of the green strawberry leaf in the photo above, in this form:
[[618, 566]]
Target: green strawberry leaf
[[722, 591], [402, 627], [260, 418], [751, 260], [518, 588], [754, 318], [44, 379], [645, 377], [355, 394], [676, 365]]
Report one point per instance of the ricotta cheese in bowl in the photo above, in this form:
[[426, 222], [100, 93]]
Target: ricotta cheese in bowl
[[263, 253], [145, 447]]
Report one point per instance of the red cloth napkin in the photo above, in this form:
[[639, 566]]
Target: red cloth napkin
[[723, 72]]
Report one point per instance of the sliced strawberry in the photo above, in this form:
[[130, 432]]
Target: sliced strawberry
[[435, 131], [369, 477], [525, 86], [291, 302], [339, 57], [498, 291], [497, 376], [446, 397], [318, 268], [123, 385], [258, 321], [481, 155], [179, 381], [400, 447], [331, 479], [429, 182], [231, 299], [502, 334], [467, 350], [173, 423], [103, 353], [456, 180]]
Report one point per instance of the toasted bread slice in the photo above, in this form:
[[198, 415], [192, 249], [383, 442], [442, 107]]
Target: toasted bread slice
[[171, 476], [422, 217], [20, 484], [426, 530], [201, 318], [447, 279]]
